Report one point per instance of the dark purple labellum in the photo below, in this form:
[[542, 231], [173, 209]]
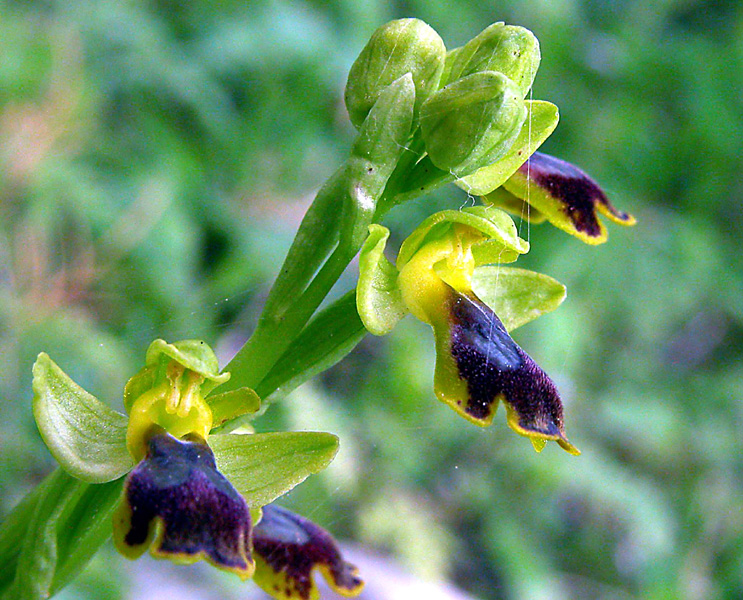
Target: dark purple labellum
[[200, 514], [496, 368], [578, 194], [292, 547]]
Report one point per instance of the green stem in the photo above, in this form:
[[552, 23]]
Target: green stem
[[274, 335]]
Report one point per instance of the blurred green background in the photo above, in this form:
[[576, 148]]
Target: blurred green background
[[158, 156]]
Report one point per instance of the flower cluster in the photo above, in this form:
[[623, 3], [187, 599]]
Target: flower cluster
[[426, 117], [476, 129], [189, 494]]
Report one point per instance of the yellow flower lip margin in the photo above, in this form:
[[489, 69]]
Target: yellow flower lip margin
[[569, 198], [478, 365], [176, 503], [290, 548]]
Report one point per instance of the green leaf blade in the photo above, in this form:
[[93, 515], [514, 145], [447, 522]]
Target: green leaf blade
[[85, 436], [263, 466], [327, 339], [52, 534]]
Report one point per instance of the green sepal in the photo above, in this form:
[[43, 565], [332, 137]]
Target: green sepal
[[233, 404], [502, 245], [508, 49], [541, 120], [329, 337], [194, 355], [394, 49], [378, 297], [263, 466], [517, 296], [86, 437], [52, 534], [472, 122]]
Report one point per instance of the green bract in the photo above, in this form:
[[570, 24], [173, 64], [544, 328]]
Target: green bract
[[380, 143], [396, 48], [507, 49], [472, 122]]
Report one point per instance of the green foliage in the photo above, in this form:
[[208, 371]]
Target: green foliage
[[122, 122], [53, 534], [328, 338]]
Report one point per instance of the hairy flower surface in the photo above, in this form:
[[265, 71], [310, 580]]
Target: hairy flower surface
[[177, 504], [478, 365], [562, 194], [289, 548], [474, 347]]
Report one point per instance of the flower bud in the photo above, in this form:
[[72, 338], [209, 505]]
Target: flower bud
[[507, 49], [472, 122], [399, 47]]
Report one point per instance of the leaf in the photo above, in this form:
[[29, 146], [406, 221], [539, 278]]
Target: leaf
[[315, 239], [12, 530], [263, 466], [378, 296], [83, 528], [541, 120], [329, 337], [517, 296], [87, 438], [52, 534]]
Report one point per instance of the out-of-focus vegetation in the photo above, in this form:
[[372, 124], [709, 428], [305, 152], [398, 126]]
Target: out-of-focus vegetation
[[156, 158]]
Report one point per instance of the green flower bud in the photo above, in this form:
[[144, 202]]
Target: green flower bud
[[507, 49], [472, 122], [399, 47]]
